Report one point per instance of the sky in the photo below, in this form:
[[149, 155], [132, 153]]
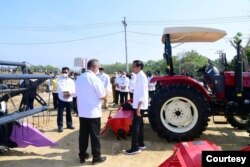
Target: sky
[[57, 31]]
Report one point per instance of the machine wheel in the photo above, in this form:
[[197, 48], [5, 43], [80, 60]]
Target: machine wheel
[[248, 123], [237, 121], [181, 112], [152, 115]]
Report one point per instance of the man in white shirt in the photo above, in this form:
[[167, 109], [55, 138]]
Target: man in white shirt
[[132, 84], [54, 89], [90, 92], [124, 84], [140, 105], [66, 91], [106, 83], [118, 88], [151, 85]]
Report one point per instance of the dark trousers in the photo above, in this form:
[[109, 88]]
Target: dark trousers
[[114, 94], [131, 95], [90, 127], [151, 93], [75, 105], [61, 106], [55, 100], [117, 95], [137, 131], [31, 103], [123, 97]]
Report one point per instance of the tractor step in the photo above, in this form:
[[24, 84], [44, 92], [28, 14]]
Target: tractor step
[[220, 121], [145, 114]]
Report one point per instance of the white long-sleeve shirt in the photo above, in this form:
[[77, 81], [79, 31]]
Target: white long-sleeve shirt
[[124, 84], [89, 92], [132, 84], [118, 83], [141, 91], [65, 85], [151, 85], [105, 80]]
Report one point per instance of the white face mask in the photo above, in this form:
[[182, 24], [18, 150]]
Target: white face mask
[[65, 75], [97, 72]]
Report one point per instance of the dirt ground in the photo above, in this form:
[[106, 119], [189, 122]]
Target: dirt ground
[[65, 154]]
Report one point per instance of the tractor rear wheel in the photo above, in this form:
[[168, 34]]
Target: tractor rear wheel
[[237, 121], [152, 116], [181, 112]]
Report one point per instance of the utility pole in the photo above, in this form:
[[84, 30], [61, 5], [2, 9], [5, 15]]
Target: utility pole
[[126, 48]]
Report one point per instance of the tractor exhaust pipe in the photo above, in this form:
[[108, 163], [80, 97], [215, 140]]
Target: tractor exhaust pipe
[[238, 74]]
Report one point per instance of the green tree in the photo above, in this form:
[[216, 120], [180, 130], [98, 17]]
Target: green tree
[[190, 61], [244, 51], [40, 68]]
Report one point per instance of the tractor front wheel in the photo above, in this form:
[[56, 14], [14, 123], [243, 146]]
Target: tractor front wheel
[[237, 121]]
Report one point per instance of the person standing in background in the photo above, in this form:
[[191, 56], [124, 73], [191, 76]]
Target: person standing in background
[[66, 91], [90, 92], [124, 88], [140, 105], [151, 85], [54, 89], [83, 70], [117, 89], [112, 81], [73, 76], [132, 85], [106, 83]]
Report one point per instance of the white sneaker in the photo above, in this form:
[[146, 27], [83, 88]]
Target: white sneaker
[[142, 147]]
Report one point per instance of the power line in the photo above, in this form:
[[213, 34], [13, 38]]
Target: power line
[[64, 41], [143, 33], [145, 43], [192, 21], [61, 28], [103, 49], [233, 19]]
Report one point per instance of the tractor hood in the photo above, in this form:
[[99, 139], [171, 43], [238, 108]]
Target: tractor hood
[[192, 34]]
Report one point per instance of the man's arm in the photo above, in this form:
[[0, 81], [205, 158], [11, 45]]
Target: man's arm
[[138, 111], [142, 94], [99, 88], [73, 89]]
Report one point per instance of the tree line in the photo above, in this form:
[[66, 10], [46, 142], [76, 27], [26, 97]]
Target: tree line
[[189, 61]]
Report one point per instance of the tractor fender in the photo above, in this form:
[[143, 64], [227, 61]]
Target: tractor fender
[[167, 80]]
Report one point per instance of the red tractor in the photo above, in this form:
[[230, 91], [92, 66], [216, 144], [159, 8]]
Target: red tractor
[[181, 106]]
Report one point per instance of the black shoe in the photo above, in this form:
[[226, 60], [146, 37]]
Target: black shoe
[[71, 127], [60, 130], [131, 151], [83, 158], [97, 160]]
